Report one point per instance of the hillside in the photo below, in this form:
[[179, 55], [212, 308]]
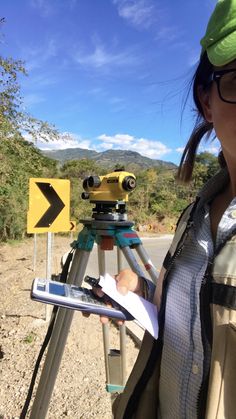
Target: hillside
[[157, 200], [108, 158]]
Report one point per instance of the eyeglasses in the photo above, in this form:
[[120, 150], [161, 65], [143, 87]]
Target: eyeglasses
[[226, 84]]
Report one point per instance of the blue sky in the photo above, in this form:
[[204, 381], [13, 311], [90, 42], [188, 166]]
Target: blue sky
[[109, 73]]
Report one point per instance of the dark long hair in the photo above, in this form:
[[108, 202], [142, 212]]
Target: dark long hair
[[202, 126]]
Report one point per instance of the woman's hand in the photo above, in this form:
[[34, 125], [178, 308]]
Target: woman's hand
[[126, 280]]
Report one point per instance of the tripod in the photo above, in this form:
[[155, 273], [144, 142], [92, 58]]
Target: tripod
[[107, 234]]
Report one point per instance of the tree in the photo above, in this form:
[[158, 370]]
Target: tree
[[19, 162], [19, 159], [80, 169], [13, 120], [206, 166]]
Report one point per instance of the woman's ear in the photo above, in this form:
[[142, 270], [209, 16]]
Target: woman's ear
[[204, 99]]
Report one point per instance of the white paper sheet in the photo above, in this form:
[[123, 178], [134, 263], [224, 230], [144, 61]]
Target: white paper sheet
[[141, 309]]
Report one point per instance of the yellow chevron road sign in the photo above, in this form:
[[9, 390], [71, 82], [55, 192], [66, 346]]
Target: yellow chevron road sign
[[49, 205]]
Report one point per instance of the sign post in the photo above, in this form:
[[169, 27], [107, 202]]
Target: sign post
[[48, 270], [35, 252]]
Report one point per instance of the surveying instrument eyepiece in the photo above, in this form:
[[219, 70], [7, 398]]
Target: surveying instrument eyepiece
[[109, 193]]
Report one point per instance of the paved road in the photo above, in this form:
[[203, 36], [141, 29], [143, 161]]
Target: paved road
[[155, 247]]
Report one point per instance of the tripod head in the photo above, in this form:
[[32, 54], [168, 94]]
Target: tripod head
[[109, 193]]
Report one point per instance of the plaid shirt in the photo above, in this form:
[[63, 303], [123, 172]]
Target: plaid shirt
[[182, 356]]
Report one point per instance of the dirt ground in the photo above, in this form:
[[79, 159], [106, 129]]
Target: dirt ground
[[79, 391]]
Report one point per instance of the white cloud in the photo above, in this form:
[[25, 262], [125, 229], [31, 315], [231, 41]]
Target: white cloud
[[154, 16], [179, 149], [38, 81], [168, 34], [115, 103], [149, 148], [33, 99], [123, 140], [210, 148], [139, 13], [102, 58], [146, 147], [65, 140], [37, 56]]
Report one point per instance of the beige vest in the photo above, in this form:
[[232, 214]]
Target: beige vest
[[221, 400]]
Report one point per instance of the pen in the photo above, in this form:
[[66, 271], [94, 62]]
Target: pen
[[94, 282]]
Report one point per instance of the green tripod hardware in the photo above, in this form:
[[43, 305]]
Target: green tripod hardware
[[107, 229]]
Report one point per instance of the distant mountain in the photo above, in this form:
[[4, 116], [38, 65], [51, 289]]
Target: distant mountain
[[109, 158]]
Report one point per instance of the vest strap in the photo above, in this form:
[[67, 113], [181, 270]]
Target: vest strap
[[224, 295]]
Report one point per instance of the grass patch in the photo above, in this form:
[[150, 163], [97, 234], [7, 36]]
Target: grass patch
[[30, 338]]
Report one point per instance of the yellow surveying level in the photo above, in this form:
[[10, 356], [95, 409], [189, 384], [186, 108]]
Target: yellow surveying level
[[111, 188], [109, 193]]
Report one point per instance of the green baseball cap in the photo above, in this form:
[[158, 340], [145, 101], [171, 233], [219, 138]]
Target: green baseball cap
[[220, 39]]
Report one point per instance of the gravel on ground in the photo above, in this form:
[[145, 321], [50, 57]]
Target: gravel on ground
[[80, 388]]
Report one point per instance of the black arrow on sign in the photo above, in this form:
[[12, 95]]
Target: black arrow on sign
[[71, 225], [56, 204]]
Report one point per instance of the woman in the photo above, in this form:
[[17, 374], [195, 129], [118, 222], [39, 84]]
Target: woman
[[190, 371]]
